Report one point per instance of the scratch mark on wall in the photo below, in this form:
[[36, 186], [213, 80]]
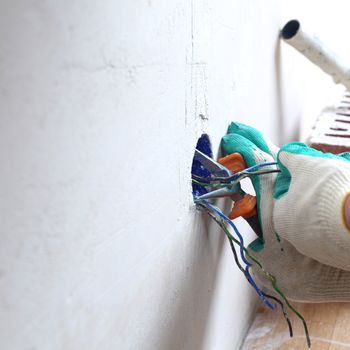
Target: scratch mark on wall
[[197, 99], [192, 30], [106, 65]]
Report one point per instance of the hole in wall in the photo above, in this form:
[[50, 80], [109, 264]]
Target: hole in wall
[[204, 145]]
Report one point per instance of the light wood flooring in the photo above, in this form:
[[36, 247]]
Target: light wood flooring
[[329, 328]]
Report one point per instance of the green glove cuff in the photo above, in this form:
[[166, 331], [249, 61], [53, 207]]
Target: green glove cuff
[[284, 178]]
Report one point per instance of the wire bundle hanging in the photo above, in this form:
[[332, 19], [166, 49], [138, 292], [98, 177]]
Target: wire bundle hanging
[[222, 220]]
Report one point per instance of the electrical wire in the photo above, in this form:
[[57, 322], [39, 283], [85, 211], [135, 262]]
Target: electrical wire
[[236, 178], [285, 314], [273, 281], [284, 311], [236, 175], [231, 239], [223, 216], [270, 277], [227, 184], [209, 184], [241, 245]]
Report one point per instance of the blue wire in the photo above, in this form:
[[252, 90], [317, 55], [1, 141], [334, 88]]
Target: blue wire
[[257, 166], [248, 264], [257, 289], [222, 215], [237, 175]]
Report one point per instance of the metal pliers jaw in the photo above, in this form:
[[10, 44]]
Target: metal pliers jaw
[[218, 170], [228, 167]]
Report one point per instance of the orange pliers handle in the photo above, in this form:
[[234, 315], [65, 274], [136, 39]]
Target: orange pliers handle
[[246, 206]]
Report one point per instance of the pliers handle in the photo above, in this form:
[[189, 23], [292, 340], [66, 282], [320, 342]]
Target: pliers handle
[[246, 205]]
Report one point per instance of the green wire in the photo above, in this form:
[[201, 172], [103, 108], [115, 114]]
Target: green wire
[[229, 184], [274, 285], [273, 282], [204, 184]]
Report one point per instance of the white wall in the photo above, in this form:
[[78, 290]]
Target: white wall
[[101, 104]]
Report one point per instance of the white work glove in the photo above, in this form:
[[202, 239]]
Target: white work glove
[[305, 244]]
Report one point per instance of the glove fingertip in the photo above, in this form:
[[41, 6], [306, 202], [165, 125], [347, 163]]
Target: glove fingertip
[[234, 143], [233, 128]]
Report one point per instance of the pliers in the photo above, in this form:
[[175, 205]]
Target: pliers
[[233, 167]]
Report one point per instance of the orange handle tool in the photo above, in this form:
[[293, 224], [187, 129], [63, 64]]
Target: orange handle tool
[[246, 205]]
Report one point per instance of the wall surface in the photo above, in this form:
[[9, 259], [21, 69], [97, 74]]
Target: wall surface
[[101, 104]]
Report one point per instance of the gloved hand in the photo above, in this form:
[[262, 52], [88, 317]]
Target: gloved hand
[[306, 244]]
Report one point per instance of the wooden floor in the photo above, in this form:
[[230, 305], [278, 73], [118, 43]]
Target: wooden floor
[[329, 328]]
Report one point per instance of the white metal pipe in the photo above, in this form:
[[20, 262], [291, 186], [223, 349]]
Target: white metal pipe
[[312, 48]]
